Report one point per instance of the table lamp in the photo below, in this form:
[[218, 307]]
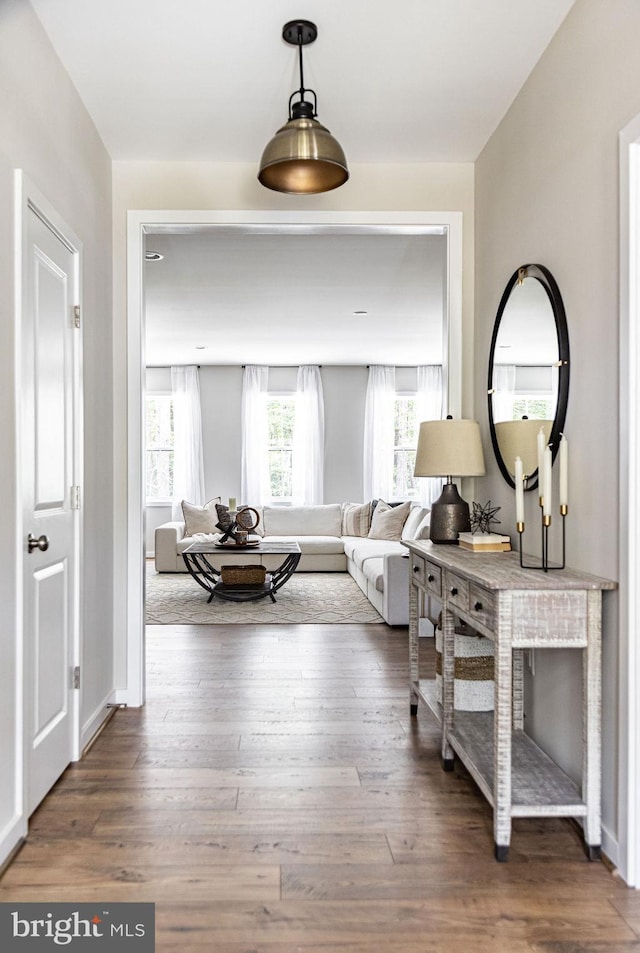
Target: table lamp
[[518, 438], [448, 448]]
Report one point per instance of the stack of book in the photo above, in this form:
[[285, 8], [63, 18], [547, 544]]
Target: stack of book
[[484, 542]]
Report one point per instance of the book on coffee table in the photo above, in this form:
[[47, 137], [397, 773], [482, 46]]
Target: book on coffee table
[[484, 542]]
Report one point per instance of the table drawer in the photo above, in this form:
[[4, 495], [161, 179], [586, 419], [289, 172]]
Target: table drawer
[[418, 574], [426, 574], [457, 591], [482, 605], [433, 578]]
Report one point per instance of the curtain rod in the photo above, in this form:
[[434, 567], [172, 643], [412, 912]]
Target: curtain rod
[[274, 365]]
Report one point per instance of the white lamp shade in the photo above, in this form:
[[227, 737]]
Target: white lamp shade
[[449, 448], [519, 438]]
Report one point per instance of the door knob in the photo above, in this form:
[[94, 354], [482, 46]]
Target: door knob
[[41, 543]]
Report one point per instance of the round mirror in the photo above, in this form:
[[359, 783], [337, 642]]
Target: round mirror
[[528, 383]]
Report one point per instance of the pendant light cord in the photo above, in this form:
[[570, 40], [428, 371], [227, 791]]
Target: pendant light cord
[[300, 62]]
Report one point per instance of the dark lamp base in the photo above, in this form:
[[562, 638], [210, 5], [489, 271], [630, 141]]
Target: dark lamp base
[[449, 516]]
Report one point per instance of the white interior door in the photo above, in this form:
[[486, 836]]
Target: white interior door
[[49, 517]]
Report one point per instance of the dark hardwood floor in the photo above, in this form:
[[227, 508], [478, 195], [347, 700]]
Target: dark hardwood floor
[[275, 796]]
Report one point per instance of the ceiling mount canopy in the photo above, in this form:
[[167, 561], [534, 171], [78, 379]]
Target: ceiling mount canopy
[[303, 157]]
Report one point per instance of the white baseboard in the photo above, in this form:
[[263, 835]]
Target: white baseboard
[[610, 846], [93, 724], [12, 835]]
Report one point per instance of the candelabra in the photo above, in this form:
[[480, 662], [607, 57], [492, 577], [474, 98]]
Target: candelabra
[[545, 463], [545, 524]]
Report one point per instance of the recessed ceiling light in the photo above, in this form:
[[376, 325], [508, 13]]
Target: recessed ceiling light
[[153, 256], [360, 313], [201, 347]]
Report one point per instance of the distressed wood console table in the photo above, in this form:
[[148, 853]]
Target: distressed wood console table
[[517, 609]]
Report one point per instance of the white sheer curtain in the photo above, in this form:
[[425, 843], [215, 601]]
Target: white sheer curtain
[[188, 464], [379, 433], [504, 385], [254, 477], [429, 400], [308, 437]]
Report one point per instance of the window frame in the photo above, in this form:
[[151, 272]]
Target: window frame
[[280, 396], [169, 397], [403, 493]]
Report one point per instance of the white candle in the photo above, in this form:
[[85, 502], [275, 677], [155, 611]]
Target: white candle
[[546, 487], [541, 445], [232, 504], [519, 479], [564, 471]]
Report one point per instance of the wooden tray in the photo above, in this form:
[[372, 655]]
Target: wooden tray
[[231, 544]]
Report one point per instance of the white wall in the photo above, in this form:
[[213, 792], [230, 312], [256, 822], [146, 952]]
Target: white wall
[[345, 390], [547, 192], [45, 130]]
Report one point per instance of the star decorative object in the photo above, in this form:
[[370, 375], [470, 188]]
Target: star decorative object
[[483, 516]]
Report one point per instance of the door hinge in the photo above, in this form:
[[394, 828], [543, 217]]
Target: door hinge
[[76, 677], [75, 497], [76, 315]]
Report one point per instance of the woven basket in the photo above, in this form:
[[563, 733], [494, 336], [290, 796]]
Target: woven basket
[[473, 670], [243, 575]]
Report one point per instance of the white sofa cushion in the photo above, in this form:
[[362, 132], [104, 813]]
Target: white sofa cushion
[[373, 570], [387, 521], [311, 545], [321, 520], [366, 549], [350, 543]]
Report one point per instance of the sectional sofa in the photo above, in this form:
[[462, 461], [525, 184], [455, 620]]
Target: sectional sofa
[[364, 540]]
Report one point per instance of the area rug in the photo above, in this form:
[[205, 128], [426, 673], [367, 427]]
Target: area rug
[[308, 597]]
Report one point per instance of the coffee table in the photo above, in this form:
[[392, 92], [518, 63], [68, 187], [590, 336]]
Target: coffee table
[[198, 563]]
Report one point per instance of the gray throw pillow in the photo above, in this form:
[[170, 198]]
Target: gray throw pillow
[[224, 517]]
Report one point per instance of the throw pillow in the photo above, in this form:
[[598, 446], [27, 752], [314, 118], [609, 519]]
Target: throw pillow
[[416, 515], [356, 519], [199, 519], [388, 520], [424, 530]]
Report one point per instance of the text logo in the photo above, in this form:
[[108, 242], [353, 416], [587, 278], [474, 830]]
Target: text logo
[[29, 927]]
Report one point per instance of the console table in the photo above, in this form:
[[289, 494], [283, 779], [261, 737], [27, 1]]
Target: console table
[[517, 609]]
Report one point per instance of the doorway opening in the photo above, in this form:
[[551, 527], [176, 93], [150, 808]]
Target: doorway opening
[[141, 225]]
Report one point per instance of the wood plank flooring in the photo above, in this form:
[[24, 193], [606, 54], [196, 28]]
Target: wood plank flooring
[[275, 796]]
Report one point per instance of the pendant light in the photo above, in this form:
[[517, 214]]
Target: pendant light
[[303, 157]]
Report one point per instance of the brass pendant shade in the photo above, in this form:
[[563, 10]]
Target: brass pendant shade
[[303, 157]]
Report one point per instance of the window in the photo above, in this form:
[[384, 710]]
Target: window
[[537, 407], [280, 421], [405, 442], [159, 447]]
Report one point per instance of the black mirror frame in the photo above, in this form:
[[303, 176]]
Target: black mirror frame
[[546, 279]]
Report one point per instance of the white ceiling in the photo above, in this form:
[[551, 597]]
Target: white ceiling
[[397, 80], [290, 298], [403, 81]]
